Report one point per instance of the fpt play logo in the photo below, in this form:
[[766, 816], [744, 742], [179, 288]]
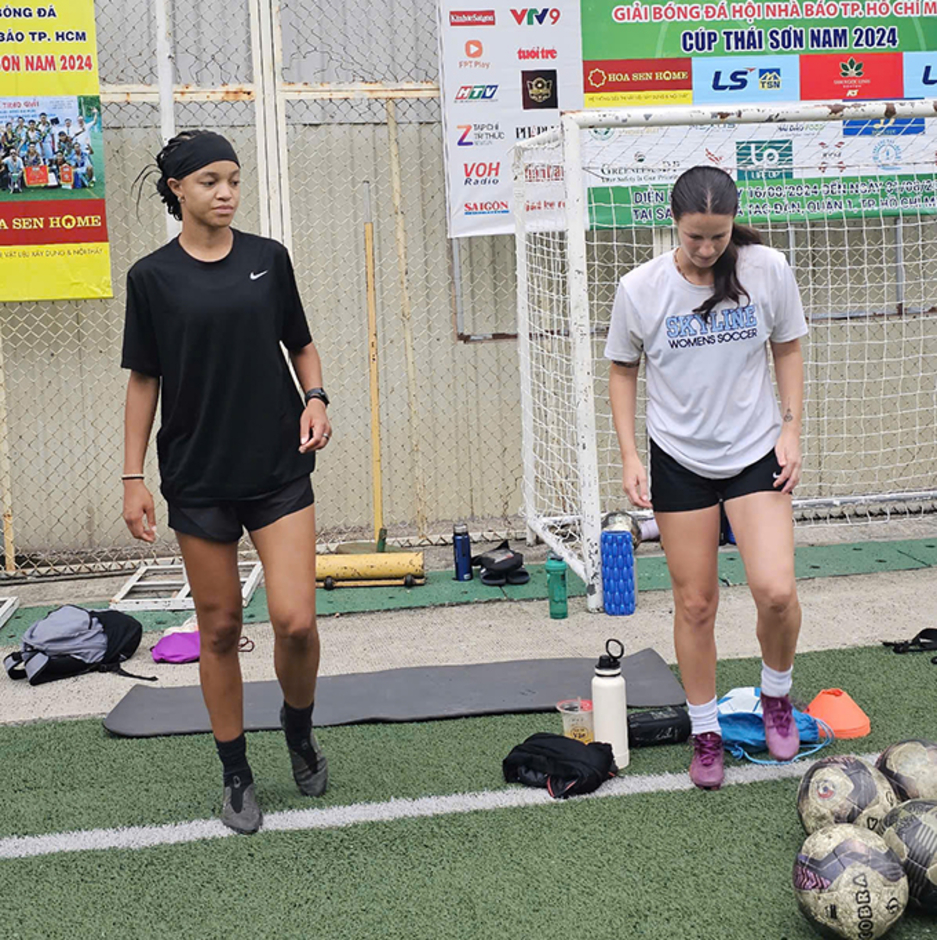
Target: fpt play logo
[[534, 16], [765, 159]]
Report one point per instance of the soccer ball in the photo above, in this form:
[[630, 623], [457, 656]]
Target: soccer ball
[[911, 766], [849, 883], [910, 830], [844, 789]]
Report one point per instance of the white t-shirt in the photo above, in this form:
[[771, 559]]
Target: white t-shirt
[[710, 401]]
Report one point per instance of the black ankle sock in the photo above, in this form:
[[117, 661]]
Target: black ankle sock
[[298, 724], [237, 772]]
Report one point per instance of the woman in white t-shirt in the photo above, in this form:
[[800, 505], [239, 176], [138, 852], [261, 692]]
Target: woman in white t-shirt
[[704, 316]]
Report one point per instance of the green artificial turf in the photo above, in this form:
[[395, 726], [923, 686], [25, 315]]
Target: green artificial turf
[[662, 866], [58, 776]]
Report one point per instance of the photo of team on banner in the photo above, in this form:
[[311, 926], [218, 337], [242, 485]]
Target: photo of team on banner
[[48, 151]]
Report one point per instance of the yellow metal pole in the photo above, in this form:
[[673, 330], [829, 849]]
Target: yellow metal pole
[[6, 477], [377, 484], [405, 316]]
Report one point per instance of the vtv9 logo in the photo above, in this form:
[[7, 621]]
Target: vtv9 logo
[[532, 16]]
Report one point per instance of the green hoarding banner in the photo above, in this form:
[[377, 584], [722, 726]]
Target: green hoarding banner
[[654, 30]]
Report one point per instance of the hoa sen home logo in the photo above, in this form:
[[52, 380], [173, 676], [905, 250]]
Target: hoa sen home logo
[[472, 18]]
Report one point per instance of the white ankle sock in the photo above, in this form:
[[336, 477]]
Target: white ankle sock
[[704, 718], [775, 683]]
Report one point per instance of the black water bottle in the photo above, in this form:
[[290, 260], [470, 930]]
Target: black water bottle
[[462, 552]]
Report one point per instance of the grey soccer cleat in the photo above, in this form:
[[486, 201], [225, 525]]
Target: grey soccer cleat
[[246, 818], [624, 521], [310, 766]]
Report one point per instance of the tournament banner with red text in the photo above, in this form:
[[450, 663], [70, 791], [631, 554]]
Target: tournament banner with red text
[[53, 221], [507, 72]]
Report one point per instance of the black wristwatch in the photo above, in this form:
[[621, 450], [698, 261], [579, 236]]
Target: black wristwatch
[[317, 393]]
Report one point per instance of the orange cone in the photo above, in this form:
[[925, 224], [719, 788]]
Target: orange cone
[[841, 713]]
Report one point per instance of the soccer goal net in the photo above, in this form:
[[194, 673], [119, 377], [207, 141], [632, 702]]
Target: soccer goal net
[[847, 192]]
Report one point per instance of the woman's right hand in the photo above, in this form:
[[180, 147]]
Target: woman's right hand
[[634, 481], [139, 511]]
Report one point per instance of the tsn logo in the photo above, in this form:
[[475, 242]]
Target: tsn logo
[[531, 16]]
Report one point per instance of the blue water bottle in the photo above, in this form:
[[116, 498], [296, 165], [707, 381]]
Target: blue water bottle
[[618, 581], [462, 552]]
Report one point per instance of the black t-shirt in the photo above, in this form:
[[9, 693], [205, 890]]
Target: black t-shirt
[[211, 331]]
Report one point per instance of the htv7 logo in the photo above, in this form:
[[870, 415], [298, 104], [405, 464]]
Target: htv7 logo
[[531, 16]]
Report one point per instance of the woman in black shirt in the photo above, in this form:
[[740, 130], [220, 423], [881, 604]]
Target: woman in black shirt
[[206, 314]]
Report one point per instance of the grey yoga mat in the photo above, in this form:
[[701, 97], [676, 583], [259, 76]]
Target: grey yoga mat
[[420, 693]]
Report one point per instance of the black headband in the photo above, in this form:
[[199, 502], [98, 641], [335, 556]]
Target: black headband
[[196, 152]]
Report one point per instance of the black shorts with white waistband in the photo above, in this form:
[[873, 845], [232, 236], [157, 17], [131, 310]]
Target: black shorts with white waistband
[[226, 521], [674, 488]]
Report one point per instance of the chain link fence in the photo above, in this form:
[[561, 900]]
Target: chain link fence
[[449, 394]]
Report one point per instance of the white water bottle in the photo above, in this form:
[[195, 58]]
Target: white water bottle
[[609, 707]]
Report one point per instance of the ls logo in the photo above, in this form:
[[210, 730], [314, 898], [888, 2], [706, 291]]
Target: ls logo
[[735, 81]]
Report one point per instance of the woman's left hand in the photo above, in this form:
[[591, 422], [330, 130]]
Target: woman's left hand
[[787, 450], [314, 427]]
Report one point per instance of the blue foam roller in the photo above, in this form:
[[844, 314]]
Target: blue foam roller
[[618, 582]]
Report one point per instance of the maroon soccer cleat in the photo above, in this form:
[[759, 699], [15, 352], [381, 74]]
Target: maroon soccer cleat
[[780, 728], [706, 769]]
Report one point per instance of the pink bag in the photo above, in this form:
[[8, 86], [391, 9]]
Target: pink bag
[[182, 647]]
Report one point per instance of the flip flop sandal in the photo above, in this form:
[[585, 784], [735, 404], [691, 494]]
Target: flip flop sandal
[[924, 642], [518, 576], [492, 578]]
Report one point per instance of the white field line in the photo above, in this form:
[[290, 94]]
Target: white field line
[[338, 817]]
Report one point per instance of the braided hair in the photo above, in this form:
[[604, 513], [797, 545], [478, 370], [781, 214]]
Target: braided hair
[[169, 198]]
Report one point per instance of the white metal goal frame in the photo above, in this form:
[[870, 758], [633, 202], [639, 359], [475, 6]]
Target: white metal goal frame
[[580, 509]]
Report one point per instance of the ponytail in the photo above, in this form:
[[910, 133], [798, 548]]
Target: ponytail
[[709, 191]]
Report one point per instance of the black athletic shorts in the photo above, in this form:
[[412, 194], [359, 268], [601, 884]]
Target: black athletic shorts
[[674, 488], [224, 522]]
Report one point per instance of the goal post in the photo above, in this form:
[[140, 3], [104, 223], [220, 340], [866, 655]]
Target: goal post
[[848, 192]]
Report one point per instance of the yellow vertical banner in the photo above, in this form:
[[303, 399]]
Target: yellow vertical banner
[[53, 221]]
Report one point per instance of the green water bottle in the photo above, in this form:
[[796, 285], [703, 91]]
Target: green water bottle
[[556, 586]]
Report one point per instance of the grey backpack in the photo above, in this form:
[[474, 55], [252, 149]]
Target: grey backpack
[[71, 640]]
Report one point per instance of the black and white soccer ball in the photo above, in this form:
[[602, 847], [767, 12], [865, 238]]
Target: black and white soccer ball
[[910, 831], [849, 883], [844, 789], [911, 766]]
